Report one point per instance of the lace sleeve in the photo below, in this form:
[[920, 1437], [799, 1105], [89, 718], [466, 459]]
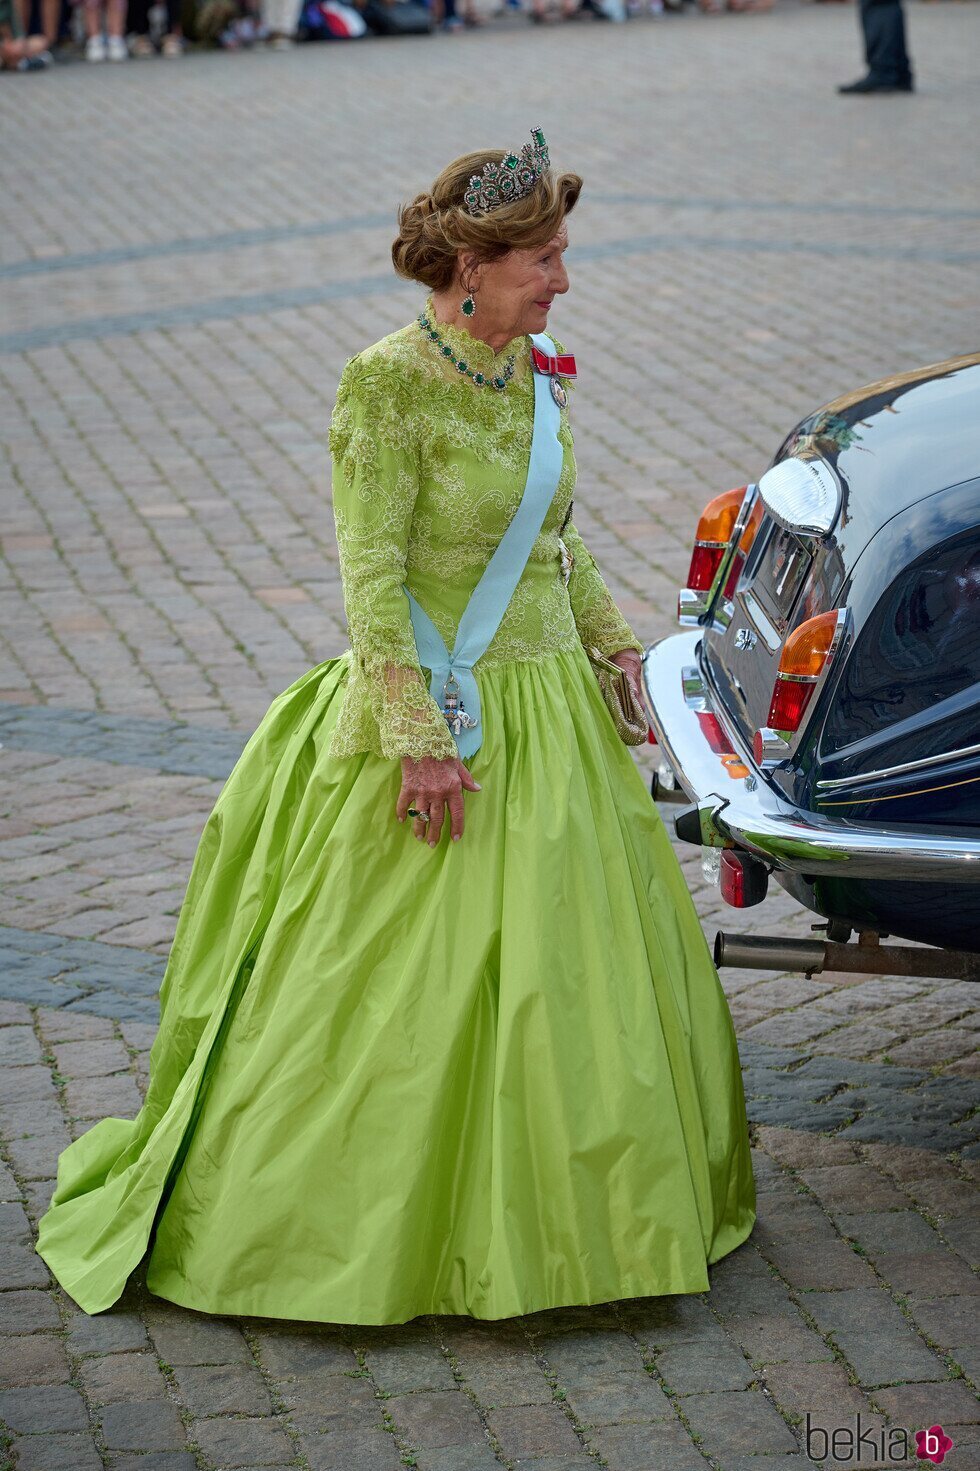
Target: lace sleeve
[[375, 484], [598, 620]]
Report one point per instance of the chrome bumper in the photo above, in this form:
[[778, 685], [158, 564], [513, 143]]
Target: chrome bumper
[[739, 808]]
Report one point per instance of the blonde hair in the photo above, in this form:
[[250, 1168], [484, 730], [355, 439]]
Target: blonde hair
[[436, 226]]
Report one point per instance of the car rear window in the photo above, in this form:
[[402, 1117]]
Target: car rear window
[[920, 646]]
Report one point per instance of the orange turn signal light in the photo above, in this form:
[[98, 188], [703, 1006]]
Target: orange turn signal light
[[805, 650], [719, 515]]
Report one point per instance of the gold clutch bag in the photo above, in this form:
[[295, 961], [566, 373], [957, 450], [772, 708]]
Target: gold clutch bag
[[628, 716]]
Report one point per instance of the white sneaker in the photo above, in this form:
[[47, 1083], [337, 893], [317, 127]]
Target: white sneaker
[[95, 48], [118, 50]]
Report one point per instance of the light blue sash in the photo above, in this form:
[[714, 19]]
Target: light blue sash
[[489, 599]]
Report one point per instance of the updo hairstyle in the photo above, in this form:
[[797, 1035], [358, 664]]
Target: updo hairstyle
[[436, 225]]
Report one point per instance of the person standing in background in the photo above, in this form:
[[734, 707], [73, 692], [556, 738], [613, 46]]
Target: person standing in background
[[138, 25], [281, 17], [49, 17], [883, 24], [101, 47]]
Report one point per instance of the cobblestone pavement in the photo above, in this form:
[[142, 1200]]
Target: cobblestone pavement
[[190, 255]]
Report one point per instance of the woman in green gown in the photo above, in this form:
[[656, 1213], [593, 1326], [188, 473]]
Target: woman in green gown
[[483, 1074]]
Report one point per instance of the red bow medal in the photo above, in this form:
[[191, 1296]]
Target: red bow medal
[[560, 366]]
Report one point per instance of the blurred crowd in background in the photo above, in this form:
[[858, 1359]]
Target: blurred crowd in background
[[36, 33]]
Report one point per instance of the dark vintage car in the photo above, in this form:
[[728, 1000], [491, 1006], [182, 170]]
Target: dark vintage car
[[820, 712]]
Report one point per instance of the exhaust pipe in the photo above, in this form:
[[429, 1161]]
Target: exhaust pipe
[[769, 952], [867, 957]]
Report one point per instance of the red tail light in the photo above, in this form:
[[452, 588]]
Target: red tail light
[[744, 547], [744, 880], [804, 657], [713, 535]]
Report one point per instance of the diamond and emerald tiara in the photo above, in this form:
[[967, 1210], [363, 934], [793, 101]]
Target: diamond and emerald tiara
[[510, 179]]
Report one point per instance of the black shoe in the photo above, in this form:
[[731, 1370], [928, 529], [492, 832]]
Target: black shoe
[[872, 84]]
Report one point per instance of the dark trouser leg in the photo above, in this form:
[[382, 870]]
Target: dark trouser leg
[[884, 41], [138, 17]]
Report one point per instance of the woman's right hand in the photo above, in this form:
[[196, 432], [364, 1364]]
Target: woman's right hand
[[432, 785]]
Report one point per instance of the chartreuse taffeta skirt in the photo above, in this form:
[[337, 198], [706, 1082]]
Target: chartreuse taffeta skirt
[[485, 1078]]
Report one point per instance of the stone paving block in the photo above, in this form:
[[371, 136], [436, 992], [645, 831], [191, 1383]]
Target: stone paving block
[[644, 1448], [690, 1368], [462, 1458], [320, 1401], [110, 1332], [286, 1354], [776, 1338], [574, 1357], [36, 1158], [38, 1116], [46, 1407], [406, 1366], [727, 1423], [154, 1461], [37, 1196], [223, 1389], [18, 1046], [680, 1318], [788, 1219], [533, 1430], [369, 1451], [764, 1463], [918, 1405], [235, 1443], [873, 1335], [116, 1004], [743, 1284], [798, 1150], [619, 1399], [31, 1311], [59, 1026], [97, 1098], [853, 1188], [188, 1338], [943, 1197], [11, 1012], [432, 1418], [33, 1358], [91, 1058], [964, 1438], [142, 1425], [811, 1262], [948, 1320], [967, 1357], [56, 1453], [927, 1274], [122, 1376], [797, 1388], [884, 1231], [500, 1376], [20, 1266], [18, 1084]]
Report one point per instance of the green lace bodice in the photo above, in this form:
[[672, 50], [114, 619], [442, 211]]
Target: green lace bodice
[[428, 470]]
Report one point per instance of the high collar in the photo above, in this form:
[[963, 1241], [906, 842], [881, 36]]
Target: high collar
[[474, 351]]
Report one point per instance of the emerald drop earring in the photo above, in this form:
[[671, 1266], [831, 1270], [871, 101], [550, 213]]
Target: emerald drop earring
[[469, 304]]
